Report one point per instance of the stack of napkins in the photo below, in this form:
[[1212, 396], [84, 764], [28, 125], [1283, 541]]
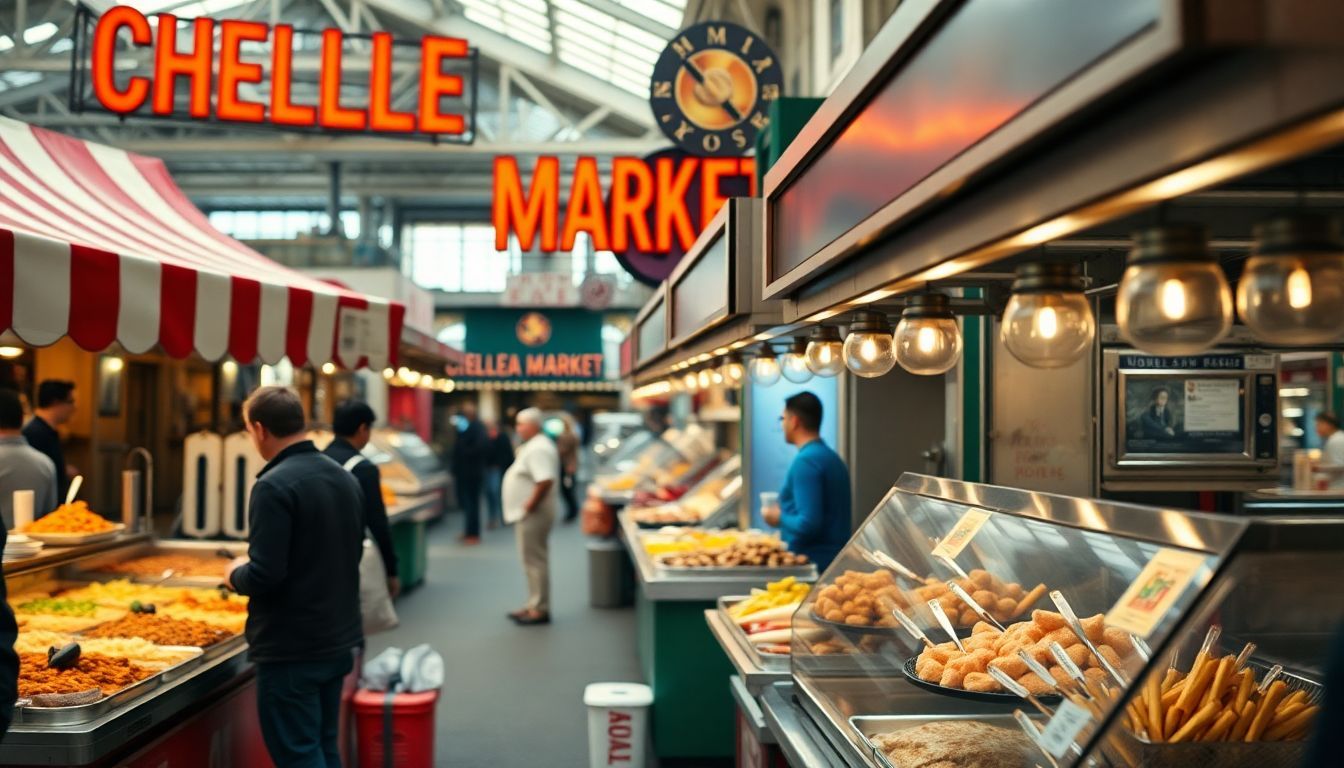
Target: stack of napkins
[[18, 546]]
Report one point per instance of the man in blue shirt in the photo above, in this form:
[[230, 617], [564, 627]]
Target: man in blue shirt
[[814, 504]]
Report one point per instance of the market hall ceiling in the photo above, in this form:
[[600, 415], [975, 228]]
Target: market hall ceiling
[[565, 77]]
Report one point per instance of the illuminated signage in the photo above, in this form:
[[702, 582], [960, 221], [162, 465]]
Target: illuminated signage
[[506, 365], [217, 70], [527, 344]]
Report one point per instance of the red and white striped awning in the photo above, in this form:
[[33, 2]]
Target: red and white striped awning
[[102, 246]]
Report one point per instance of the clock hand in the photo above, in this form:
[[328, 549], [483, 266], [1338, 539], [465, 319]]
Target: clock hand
[[700, 78]]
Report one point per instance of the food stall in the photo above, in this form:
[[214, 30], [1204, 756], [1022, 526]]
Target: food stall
[[416, 486], [154, 314]]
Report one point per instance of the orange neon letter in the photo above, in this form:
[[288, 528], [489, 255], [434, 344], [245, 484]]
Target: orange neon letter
[[233, 70], [511, 213], [587, 211], [103, 66], [673, 181], [748, 165], [711, 198], [330, 112], [629, 207], [434, 84], [381, 115], [284, 111], [195, 66]]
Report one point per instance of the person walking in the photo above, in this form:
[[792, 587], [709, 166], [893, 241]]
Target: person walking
[[814, 512], [352, 423], [468, 463], [22, 467], [55, 406], [567, 444], [498, 457], [302, 575], [529, 502]]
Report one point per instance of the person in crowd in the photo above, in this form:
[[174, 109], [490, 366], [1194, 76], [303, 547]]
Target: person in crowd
[[1157, 420], [302, 575], [1332, 448], [55, 406], [529, 501], [468, 464], [567, 444], [498, 457], [352, 424], [22, 467], [814, 504], [9, 659]]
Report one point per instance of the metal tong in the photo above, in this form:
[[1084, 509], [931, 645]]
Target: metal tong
[[938, 614], [1034, 734], [951, 565], [1016, 688], [968, 600], [1066, 611], [883, 560], [912, 627]]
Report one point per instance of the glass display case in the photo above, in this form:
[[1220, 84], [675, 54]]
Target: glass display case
[[408, 464], [1078, 624], [678, 454]]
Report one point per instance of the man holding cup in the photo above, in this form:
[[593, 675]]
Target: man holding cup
[[812, 510]]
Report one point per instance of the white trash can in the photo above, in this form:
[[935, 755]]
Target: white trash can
[[618, 723]]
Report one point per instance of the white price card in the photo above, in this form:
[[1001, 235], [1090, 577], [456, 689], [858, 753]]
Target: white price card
[[1063, 729], [1154, 591], [962, 533]]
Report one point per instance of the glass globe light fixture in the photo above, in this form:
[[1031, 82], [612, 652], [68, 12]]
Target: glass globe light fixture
[[1292, 289], [690, 381], [675, 381], [765, 368], [793, 364], [928, 339], [1048, 322], [1173, 297], [867, 350], [704, 379], [826, 351], [732, 370]]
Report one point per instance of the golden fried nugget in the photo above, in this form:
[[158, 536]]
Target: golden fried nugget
[[1064, 636], [967, 618], [1109, 653], [1014, 666], [1059, 674], [979, 681], [985, 598], [982, 627], [1004, 608], [1095, 627], [951, 678], [858, 620], [1078, 654], [888, 621], [982, 578], [1035, 685], [1015, 591], [1048, 621], [850, 589], [835, 615], [1119, 640]]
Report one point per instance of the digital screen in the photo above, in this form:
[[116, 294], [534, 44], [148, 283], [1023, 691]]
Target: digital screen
[[1185, 414]]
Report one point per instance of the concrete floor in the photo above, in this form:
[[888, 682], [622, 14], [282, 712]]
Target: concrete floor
[[513, 695]]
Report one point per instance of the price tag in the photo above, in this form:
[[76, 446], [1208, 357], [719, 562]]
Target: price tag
[[1063, 729], [1152, 594], [961, 535]]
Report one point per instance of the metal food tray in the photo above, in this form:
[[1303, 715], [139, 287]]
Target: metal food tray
[[767, 662], [83, 713], [76, 539], [842, 665], [801, 572], [871, 725], [224, 647]]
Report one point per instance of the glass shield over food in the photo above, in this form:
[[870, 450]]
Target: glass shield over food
[[1241, 680], [962, 617]]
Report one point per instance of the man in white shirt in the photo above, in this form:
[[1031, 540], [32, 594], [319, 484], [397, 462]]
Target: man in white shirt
[[529, 501], [1332, 449]]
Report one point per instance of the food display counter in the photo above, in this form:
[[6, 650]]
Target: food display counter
[[161, 696], [1167, 637]]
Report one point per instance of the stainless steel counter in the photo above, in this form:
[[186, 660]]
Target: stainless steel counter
[[798, 736], [659, 584], [753, 675]]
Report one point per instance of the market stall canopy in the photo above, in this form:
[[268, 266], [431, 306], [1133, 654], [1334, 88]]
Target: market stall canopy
[[101, 245]]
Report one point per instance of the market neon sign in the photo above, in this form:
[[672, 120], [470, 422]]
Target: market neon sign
[[190, 53], [651, 207]]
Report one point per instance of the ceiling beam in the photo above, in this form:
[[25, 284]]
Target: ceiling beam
[[357, 147], [633, 18]]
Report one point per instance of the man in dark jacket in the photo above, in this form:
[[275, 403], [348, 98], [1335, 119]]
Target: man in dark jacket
[[55, 406], [469, 471], [302, 575], [9, 660], [352, 424]]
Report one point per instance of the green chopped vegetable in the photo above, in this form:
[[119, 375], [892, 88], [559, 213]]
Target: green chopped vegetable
[[59, 607]]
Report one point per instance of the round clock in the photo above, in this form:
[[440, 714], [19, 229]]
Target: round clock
[[712, 88]]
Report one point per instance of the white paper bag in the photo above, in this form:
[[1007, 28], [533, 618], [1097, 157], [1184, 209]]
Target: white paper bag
[[374, 600]]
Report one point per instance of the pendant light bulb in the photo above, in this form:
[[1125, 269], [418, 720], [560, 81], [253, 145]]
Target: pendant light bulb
[[1292, 289], [826, 352], [1173, 297], [733, 371], [1048, 322], [793, 364], [928, 339], [704, 379], [868, 349], [765, 368], [691, 382]]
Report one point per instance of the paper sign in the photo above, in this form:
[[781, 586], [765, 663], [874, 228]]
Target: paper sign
[[1063, 729], [1152, 594], [961, 535], [1212, 405]]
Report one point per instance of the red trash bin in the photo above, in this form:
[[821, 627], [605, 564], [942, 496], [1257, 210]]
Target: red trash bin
[[395, 730]]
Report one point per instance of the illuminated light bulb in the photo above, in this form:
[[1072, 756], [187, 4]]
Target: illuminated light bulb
[[765, 368], [690, 382], [1048, 322], [704, 379], [868, 349], [1291, 291], [115, 364], [793, 364], [11, 352], [229, 368], [1173, 298], [733, 371], [715, 377], [388, 373], [927, 341], [328, 368], [826, 352]]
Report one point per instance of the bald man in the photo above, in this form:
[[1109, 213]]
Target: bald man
[[529, 501]]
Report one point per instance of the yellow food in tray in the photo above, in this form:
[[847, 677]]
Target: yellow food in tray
[[232, 621], [38, 621], [691, 540], [120, 593], [211, 600], [135, 650], [71, 518], [785, 592]]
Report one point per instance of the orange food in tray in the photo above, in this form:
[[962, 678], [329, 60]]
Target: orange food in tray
[[71, 518], [91, 671]]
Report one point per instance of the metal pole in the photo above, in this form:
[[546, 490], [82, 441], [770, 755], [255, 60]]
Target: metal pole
[[334, 199]]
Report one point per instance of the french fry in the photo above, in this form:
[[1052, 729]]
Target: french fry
[[1285, 712], [1220, 727], [1169, 697], [1214, 694], [1200, 719], [1030, 599], [1244, 690], [1171, 721], [1264, 713], [1157, 728], [1294, 727], [1200, 677]]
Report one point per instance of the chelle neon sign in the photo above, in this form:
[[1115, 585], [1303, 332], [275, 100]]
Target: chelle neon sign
[[195, 50]]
